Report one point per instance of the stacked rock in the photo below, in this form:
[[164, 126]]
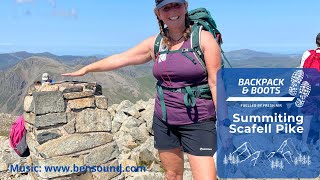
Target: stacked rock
[[68, 125]]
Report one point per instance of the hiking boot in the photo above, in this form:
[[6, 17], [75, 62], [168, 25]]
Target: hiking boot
[[296, 79], [304, 92]]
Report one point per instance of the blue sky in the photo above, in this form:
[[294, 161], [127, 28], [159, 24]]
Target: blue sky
[[86, 27]]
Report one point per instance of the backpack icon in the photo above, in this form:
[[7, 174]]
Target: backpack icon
[[201, 19], [18, 134], [313, 61]]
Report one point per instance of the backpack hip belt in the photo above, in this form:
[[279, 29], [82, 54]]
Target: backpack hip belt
[[190, 95]]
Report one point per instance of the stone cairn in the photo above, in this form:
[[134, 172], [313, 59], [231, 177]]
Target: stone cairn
[[70, 123]]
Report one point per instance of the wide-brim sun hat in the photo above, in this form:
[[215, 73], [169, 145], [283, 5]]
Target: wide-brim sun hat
[[161, 3]]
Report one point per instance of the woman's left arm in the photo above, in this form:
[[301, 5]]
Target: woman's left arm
[[212, 56]]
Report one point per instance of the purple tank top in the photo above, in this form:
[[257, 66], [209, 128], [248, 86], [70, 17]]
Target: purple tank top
[[176, 71]]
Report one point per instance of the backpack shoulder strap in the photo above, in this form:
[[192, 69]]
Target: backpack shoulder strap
[[316, 51], [195, 44], [312, 53], [157, 44], [312, 50]]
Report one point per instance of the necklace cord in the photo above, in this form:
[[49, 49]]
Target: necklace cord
[[174, 39]]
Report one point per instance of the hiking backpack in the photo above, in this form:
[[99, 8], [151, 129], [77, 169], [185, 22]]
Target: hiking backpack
[[200, 19], [313, 61], [18, 137]]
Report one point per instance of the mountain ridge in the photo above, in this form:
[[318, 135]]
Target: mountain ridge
[[239, 57], [132, 82]]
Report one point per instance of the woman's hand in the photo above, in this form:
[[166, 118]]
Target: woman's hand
[[79, 72]]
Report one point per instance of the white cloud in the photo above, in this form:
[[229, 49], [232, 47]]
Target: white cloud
[[71, 13], [67, 13], [6, 44], [23, 1]]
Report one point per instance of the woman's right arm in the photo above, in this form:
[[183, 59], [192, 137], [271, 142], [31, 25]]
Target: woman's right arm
[[139, 54]]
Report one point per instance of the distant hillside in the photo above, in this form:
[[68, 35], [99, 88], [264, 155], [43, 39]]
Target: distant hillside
[[8, 60], [137, 71], [15, 80], [246, 58], [249, 54], [268, 62]]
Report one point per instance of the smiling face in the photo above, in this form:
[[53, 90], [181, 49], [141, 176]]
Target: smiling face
[[173, 14]]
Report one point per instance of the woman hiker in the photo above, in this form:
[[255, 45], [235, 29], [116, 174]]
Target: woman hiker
[[178, 128]]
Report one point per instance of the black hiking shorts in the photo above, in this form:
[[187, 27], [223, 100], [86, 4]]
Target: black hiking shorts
[[198, 139]]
